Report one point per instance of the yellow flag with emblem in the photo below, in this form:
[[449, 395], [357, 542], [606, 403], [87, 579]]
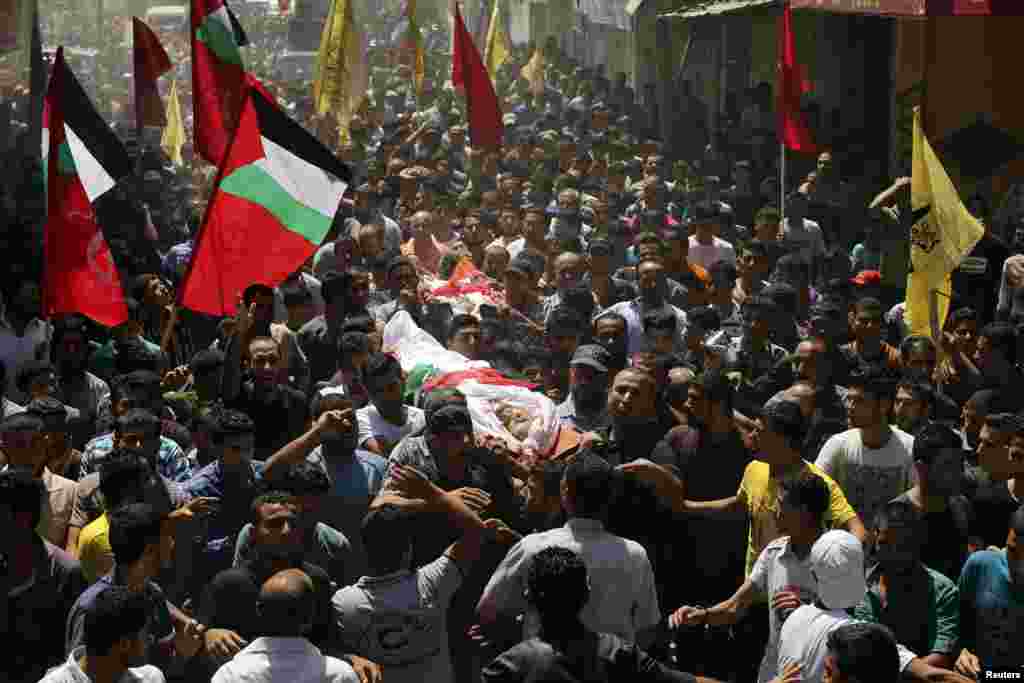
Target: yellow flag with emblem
[[497, 48], [942, 233], [342, 74], [173, 138]]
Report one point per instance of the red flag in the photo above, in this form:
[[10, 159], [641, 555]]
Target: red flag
[[83, 160], [218, 77], [470, 74], [150, 62], [793, 130]]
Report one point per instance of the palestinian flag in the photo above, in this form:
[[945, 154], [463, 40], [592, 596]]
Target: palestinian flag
[[276, 195], [218, 76], [83, 161]]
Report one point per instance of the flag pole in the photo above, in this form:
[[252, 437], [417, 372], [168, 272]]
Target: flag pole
[[782, 183]]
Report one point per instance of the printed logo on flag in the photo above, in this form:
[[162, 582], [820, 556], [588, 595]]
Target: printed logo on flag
[[923, 234]]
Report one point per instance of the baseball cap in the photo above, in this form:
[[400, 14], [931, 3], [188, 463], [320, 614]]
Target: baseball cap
[[449, 419], [522, 263], [837, 561], [593, 356]]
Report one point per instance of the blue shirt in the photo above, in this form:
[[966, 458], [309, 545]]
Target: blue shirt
[[235, 501], [992, 610], [170, 460]]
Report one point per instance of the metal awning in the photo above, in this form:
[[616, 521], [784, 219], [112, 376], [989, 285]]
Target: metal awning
[[910, 8], [716, 7]]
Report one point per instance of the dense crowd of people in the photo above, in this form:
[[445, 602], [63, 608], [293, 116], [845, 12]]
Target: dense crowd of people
[[761, 475]]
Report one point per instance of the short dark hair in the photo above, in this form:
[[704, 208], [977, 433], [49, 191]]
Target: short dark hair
[[30, 371], [932, 439], [917, 387], [869, 304], [899, 512], [865, 651], [132, 355], [784, 418], [706, 318], [303, 479], [138, 420], [354, 342], [767, 214], [875, 380], [660, 319], [755, 247], [22, 422], [133, 528], [387, 532], [758, 305], [591, 481], [50, 410], [231, 423], [960, 315], [1017, 522], [557, 581], [380, 368], [460, 322], [1002, 422], [254, 290], [23, 493], [564, 320], [206, 361], [358, 323], [917, 343], [723, 270], [117, 613], [717, 388], [125, 476], [1003, 337], [143, 382], [807, 491]]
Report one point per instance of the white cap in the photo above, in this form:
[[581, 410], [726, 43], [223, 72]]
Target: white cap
[[837, 560]]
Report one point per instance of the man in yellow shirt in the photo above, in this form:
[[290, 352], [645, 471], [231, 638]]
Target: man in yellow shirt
[[778, 440]]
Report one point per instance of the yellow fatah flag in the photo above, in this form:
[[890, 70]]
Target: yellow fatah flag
[[533, 73], [496, 48], [942, 234], [173, 138], [342, 75]]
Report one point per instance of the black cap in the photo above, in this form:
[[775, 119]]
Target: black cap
[[593, 356]]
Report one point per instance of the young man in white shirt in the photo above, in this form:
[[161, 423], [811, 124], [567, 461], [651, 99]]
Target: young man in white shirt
[[872, 462], [284, 654], [782, 573], [387, 420], [115, 643], [705, 248]]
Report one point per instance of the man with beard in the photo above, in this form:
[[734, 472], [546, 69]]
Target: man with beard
[[261, 394], [259, 300], [913, 406], [355, 475], [918, 603], [230, 603], [651, 278], [709, 457], [990, 606], [584, 409], [610, 332], [635, 428], [76, 387]]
